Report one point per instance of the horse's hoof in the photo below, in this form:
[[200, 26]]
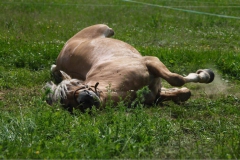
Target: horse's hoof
[[209, 72]]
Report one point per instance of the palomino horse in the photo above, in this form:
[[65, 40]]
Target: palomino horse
[[101, 66]]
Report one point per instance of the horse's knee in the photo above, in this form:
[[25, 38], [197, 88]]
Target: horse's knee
[[109, 32]]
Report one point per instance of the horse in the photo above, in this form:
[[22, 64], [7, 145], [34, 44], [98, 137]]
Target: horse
[[92, 67]]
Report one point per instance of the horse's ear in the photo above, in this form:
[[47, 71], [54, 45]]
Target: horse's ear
[[65, 76]]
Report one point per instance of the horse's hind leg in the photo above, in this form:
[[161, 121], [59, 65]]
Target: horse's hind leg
[[176, 95], [158, 69]]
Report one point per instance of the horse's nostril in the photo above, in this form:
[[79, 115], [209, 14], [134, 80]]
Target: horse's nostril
[[87, 99], [88, 93]]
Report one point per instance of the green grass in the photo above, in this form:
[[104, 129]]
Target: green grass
[[32, 34]]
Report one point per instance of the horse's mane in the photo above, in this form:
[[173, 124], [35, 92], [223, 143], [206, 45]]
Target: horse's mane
[[57, 92]]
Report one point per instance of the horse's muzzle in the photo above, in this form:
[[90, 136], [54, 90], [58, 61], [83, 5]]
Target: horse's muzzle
[[87, 99]]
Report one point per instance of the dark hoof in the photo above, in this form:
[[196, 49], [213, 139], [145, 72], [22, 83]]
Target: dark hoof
[[209, 72]]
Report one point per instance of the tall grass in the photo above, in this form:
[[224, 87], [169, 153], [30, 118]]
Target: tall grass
[[32, 34]]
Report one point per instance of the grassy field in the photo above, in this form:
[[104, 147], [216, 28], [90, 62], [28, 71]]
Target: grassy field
[[184, 35]]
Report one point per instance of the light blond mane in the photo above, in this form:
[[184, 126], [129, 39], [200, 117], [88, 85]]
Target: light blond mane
[[57, 92]]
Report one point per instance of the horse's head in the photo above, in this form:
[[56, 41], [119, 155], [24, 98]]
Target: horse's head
[[72, 93]]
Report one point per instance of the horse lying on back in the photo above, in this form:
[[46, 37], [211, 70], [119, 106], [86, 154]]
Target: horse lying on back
[[92, 66]]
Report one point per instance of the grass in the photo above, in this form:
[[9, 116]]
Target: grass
[[32, 34]]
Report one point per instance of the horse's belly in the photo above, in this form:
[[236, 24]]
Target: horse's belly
[[104, 59], [120, 75]]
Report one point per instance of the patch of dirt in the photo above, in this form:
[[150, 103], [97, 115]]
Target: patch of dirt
[[219, 86]]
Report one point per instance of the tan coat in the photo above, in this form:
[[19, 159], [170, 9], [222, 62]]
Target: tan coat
[[92, 56]]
